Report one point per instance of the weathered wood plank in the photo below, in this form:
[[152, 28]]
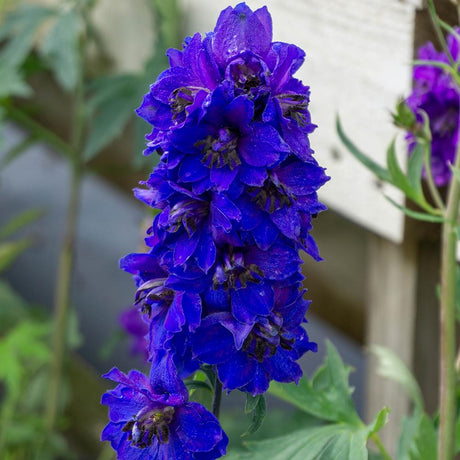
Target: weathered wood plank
[[391, 297]]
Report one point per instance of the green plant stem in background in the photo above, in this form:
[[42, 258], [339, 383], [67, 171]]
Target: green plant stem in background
[[447, 322], [376, 438], [437, 27], [435, 195], [65, 263]]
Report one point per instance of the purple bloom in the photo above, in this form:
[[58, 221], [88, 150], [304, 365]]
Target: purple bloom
[[134, 324], [248, 356], [436, 93], [151, 418]]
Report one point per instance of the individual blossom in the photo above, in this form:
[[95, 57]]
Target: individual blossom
[[151, 417], [226, 144], [436, 94], [248, 356], [170, 314]]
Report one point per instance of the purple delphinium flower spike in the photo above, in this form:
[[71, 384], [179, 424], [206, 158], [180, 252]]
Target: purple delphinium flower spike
[[236, 189], [436, 93], [151, 418]]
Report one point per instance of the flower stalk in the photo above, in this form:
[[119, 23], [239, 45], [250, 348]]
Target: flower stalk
[[66, 260], [447, 321], [217, 397]]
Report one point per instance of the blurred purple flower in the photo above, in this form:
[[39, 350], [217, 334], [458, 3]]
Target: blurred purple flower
[[134, 324], [437, 95]]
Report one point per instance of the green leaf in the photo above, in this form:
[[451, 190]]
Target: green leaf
[[398, 178], [404, 117], [197, 385], [379, 422], [414, 168], [328, 442], [327, 395], [11, 82], [19, 221], [370, 164], [16, 150], [12, 307], [416, 214], [456, 172], [411, 185], [392, 367], [418, 439], [25, 344], [60, 49], [210, 375], [114, 105], [255, 405], [11, 250], [21, 27]]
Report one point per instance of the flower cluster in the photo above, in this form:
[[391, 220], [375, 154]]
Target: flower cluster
[[236, 189], [436, 94]]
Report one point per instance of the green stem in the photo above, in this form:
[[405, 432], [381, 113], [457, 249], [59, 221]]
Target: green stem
[[375, 437], [65, 263], [217, 396], [447, 395], [61, 301], [429, 176], [435, 19]]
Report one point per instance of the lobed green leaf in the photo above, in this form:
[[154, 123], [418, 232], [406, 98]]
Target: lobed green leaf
[[328, 394], [113, 105], [320, 443], [60, 48]]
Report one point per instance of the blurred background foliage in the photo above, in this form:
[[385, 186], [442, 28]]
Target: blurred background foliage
[[58, 71]]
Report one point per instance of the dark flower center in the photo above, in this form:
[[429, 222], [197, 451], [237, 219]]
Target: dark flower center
[[153, 291], [189, 214], [271, 197], [234, 274], [294, 106], [247, 72], [145, 426], [181, 98], [266, 336], [221, 150]]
